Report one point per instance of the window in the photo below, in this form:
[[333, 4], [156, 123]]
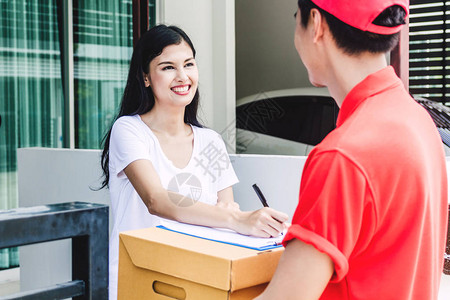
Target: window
[[102, 47], [429, 75]]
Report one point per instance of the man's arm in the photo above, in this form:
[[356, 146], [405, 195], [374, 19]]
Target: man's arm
[[303, 272]]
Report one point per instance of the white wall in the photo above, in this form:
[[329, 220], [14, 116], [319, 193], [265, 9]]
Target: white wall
[[277, 176], [210, 25], [266, 58]]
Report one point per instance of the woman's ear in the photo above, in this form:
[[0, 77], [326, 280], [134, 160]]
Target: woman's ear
[[146, 80]]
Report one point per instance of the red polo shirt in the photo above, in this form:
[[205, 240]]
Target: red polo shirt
[[373, 196]]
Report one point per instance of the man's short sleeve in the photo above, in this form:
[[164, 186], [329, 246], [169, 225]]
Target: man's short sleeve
[[334, 202], [128, 143]]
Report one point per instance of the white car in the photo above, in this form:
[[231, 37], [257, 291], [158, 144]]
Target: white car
[[284, 122]]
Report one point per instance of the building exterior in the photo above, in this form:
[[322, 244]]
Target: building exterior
[[63, 66]]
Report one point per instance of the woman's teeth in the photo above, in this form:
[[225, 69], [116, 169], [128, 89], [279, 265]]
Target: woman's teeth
[[181, 89]]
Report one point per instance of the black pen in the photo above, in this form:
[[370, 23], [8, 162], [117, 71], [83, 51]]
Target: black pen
[[262, 199], [260, 195]]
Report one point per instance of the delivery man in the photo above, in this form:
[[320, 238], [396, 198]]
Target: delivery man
[[371, 221]]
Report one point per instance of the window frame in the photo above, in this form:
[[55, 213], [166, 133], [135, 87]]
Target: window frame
[[141, 22]]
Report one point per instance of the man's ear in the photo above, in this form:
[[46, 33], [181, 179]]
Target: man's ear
[[318, 24], [146, 80]]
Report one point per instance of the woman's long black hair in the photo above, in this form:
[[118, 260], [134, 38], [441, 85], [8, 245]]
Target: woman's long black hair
[[138, 99]]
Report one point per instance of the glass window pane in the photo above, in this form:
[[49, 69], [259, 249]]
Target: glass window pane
[[103, 40], [30, 80], [151, 13]]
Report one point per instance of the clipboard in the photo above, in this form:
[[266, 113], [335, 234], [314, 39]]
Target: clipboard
[[223, 235]]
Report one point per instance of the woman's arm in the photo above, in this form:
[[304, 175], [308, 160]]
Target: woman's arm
[[161, 202], [225, 199]]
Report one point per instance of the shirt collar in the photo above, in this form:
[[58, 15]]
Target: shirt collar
[[371, 85]]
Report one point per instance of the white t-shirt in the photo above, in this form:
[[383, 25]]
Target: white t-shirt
[[208, 171]]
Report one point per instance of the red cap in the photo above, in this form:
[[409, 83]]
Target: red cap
[[360, 14]]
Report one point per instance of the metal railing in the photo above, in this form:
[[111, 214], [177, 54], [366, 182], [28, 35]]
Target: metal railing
[[85, 223]]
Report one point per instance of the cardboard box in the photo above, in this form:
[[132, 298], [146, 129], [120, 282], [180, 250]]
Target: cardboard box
[[160, 264]]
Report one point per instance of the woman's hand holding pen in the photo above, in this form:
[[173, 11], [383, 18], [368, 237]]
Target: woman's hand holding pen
[[265, 222]]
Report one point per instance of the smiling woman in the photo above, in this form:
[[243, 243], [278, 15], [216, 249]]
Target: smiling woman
[[159, 161], [173, 75]]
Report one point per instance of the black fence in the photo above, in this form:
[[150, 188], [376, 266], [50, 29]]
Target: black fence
[[85, 223]]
